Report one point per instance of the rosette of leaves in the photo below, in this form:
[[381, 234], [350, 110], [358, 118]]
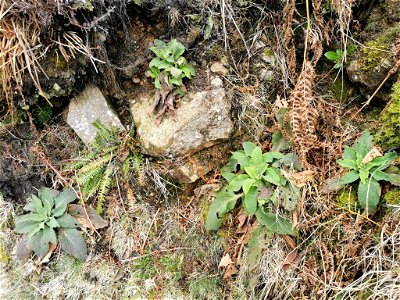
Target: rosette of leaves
[[170, 63], [337, 56], [367, 166], [49, 223], [259, 184], [168, 70]]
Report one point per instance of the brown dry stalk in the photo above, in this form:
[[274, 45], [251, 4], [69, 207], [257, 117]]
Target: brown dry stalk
[[288, 38], [303, 114]]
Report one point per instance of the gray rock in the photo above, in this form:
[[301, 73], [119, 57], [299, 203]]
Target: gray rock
[[201, 121], [219, 68], [84, 109]]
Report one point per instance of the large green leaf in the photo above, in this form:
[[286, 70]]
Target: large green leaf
[[38, 244], [159, 64], [250, 201], [364, 144], [349, 177], [62, 200], [252, 171], [25, 223], [270, 156], [52, 222], [176, 48], [369, 194], [274, 222], [175, 72], [72, 242], [223, 203]]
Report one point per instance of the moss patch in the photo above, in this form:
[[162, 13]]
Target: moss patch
[[389, 133], [392, 197]]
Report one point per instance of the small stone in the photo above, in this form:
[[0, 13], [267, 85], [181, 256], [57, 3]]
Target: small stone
[[56, 87], [216, 82], [86, 108], [219, 69]]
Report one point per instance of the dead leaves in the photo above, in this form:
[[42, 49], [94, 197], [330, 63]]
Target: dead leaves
[[164, 100], [87, 217]]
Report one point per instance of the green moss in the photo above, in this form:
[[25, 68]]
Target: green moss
[[347, 199], [205, 287], [377, 50], [389, 133], [4, 258], [392, 197]]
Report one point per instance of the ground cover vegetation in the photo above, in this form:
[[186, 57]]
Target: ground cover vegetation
[[301, 203]]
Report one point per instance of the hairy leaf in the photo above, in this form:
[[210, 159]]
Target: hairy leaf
[[249, 148], [273, 176], [279, 143], [62, 200], [270, 156], [346, 163], [223, 203], [242, 159], [379, 175], [369, 194], [72, 242], [38, 244], [87, 217], [237, 182], [247, 184], [250, 201], [349, 177], [364, 144], [23, 251], [67, 221], [274, 222], [47, 197]]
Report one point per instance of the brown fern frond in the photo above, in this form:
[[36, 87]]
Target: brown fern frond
[[303, 114]]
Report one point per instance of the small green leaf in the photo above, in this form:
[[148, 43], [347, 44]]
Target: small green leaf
[[175, 72], [252, 171], [349, 153], [364, 174], [37, 205], [346, 163], [381, 161], [331, 55], [274, 222], [177, 49], [273, 175], [67, 221], [52, 223], [279, 143], [62, 200], [369, 194], [270, 156], [349, 177], [247, 184], [188, 71], [72, 242], [159, 64], [256, 156], [394, 178], [237, 182], [47, 198], [242, 159], [364, 144], [250, 201], [207, 30], [157, 83], [249, 148], [49, 236], [223, 203], [228, 176]]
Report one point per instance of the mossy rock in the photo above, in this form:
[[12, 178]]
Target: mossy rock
[[347, 199], [389, 133], [371, 63]]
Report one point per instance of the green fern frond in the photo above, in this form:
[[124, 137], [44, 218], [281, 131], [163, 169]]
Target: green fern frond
[[91, 186], [104, 187], [84, 178], [98, 163]]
